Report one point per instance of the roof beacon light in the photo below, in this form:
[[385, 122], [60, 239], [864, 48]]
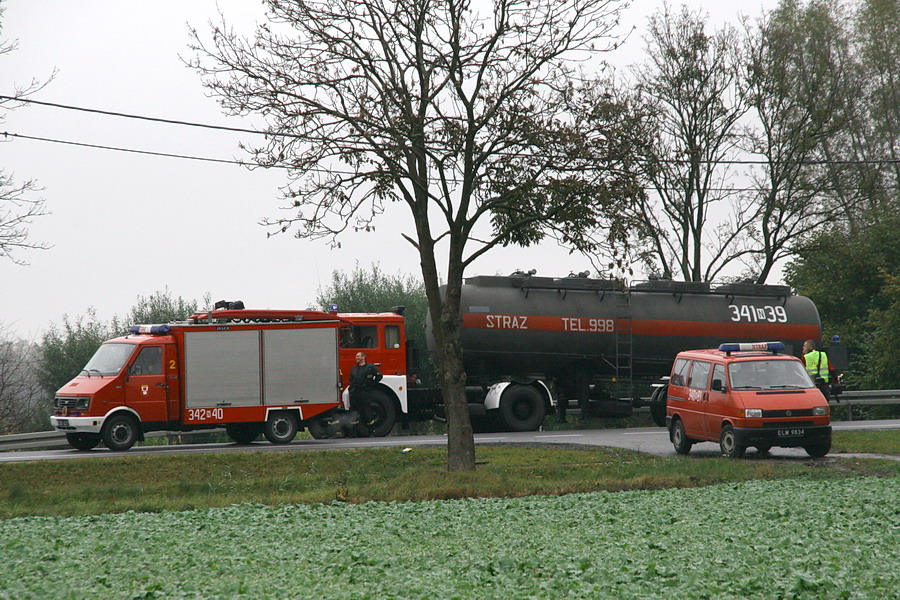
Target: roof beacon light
[[151, 329], [752, 346]]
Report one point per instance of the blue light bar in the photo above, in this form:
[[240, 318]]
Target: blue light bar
[[752, 346], [151, 329]]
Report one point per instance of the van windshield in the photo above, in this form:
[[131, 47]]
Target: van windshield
[[769, 375], [108, 360]]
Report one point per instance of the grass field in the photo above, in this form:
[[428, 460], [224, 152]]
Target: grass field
[[182, 482], [795, 538]]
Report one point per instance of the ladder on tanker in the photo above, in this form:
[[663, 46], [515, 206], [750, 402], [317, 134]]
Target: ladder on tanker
[[624, 386]]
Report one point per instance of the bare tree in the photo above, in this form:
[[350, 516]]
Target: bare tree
[[689, 88], [476, 120], [795, 83], [18, 207], [22, 400]]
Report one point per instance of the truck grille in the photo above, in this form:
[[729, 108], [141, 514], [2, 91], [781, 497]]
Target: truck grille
[[71, 403], [800, 412]]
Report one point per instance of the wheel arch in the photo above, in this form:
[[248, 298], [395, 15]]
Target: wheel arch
[[130, 412]]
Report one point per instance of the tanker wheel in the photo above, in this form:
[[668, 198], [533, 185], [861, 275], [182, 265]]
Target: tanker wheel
[[729, 444], [120, 432], [680, 441], [658, 405], [83, 441], [281, 427], [242, 433], [521, 408], [383, 412]]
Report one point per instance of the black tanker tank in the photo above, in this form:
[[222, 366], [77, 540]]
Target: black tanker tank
[[541, 326]]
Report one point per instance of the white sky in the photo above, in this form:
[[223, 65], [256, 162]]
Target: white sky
[[127, 225]]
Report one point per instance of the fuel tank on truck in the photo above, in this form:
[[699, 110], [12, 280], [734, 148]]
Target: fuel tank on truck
[[545, 326]]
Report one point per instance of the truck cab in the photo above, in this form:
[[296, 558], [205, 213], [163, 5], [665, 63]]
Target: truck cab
[[125, 382], [745, 395]]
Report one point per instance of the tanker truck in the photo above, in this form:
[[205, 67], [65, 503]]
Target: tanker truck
[[533, 345]]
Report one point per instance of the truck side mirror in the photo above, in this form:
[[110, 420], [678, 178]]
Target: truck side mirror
[[718, 385]]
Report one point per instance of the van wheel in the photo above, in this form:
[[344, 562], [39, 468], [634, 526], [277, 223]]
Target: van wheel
[[680, 441], [521, 408], [83, 441], [819, 449], [729, 444], [281, 428], [658, 405], [242, 433], [120, 432]]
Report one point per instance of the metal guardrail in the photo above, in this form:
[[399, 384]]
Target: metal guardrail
[[57, 439], [865, 398]]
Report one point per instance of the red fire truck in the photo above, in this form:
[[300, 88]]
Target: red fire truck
[[252, 372]]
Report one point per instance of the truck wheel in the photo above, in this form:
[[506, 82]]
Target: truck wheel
[[729, 444], [680, 441], [242, 433], [83, 441], [383, 411], [819, 449], [120, 432], [658, 405], [281, 428], [521, 408], [318, 428]]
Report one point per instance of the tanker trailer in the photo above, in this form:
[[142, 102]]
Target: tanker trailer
[[532, 342]]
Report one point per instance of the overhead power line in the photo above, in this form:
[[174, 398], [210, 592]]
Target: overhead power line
[[296, 136]]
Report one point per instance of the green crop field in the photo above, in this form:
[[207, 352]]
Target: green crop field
[[794, 538]]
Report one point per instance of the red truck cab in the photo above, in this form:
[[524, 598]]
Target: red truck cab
[[745, 395]]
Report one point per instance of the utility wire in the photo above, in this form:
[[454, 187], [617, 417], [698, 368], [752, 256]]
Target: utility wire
[[295, 136]]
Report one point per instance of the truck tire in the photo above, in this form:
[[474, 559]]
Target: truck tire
[[83, 441], [281, 427], [318, 428], [242, 433], [658, 405], [729, 444], [521, 409], [120, 432], [383, 411], [680, 441]]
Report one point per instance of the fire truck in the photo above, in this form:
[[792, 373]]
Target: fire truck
[[251, 372]]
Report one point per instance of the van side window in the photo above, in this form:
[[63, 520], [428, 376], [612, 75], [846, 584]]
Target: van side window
[[699, 375], [392, 336], [679, 372], [719, 375], [148, 362]]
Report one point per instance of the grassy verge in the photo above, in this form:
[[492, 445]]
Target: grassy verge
[[874, 442], [181, 482]]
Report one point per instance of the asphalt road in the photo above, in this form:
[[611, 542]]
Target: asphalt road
[[653, 440]]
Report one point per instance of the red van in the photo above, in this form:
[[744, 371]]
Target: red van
[[744, 395]]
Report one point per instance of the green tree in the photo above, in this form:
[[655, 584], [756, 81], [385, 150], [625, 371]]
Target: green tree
[[162, 307], [472, 115], [852, 278], [67, 348]]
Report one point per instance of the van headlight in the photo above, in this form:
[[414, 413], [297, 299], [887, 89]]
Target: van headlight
[[820, 411], [752, 413]]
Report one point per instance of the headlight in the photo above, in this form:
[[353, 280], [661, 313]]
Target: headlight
[[820, 411], [752, 413]]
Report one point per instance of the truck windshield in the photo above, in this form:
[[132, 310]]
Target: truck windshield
[[108, 359], [769, 375]]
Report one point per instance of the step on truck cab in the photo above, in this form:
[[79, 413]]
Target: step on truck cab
[[252, 372], [745, 395]]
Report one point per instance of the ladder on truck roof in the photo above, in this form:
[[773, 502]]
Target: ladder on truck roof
[[261, 316]]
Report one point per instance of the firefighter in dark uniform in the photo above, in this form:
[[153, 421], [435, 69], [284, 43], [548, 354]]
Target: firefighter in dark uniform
[[363, 378]]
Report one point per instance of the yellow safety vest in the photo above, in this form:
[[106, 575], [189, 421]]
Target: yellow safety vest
[[816, 364]]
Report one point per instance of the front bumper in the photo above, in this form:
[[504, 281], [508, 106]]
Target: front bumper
[[77, 424], [783, 436]]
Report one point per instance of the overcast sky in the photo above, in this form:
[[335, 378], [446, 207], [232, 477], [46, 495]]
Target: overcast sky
[[126, 225]]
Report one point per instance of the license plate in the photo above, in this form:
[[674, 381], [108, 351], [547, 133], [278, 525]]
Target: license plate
[[62, 422], [791, 432]]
